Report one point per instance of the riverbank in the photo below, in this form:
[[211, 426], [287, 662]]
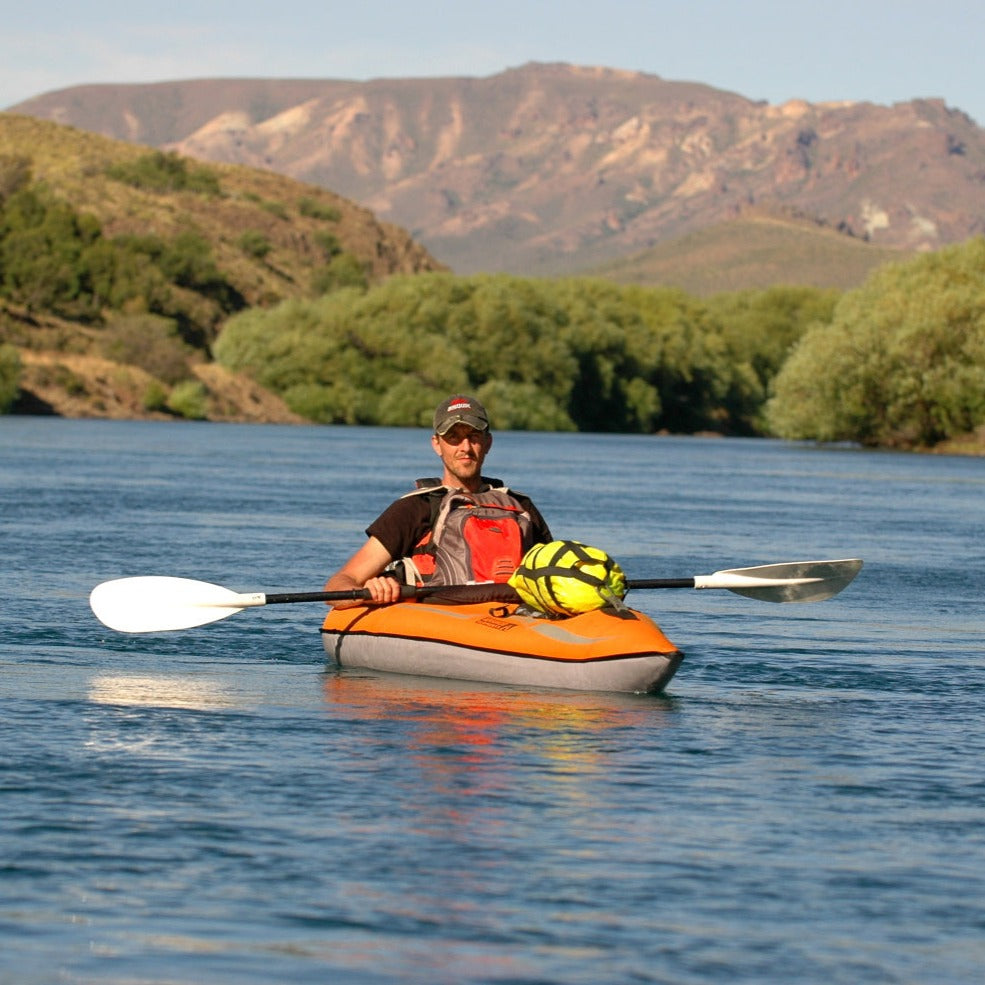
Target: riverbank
[[61, 384], [81, 386]]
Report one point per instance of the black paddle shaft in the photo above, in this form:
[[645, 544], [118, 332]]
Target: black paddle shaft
[[457, 593], [355, 593], [465, 593], [661, 583]]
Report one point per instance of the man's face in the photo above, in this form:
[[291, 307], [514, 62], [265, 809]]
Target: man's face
[[462, 450]]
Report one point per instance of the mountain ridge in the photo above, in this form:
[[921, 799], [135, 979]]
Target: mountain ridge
[[550, 168]]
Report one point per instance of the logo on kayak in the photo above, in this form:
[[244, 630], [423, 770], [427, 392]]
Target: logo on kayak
[[501, 624]]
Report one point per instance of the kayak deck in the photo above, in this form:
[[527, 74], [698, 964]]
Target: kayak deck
[[593, 651]]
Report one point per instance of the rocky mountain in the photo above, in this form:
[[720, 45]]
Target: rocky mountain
[[553, 168]]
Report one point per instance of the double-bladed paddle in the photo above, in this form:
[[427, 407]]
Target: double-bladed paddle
[[151, 603]]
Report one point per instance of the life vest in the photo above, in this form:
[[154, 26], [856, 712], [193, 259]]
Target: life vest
[[474, 537]]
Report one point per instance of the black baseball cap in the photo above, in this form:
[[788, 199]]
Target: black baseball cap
[[460, 410]]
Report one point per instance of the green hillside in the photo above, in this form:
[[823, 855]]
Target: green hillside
[[117, 252], [755, 251]]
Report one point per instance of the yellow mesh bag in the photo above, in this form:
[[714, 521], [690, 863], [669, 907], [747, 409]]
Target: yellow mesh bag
[[565, 577]]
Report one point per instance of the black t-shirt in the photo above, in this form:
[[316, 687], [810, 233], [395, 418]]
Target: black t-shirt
[[400, 527]]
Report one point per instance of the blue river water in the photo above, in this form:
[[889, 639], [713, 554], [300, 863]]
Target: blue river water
[[805, 804]]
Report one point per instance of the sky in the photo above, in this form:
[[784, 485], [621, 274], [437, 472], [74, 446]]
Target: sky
[[882, 51]]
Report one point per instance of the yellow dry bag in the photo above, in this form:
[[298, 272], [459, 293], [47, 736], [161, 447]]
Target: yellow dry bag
[[565, 577]]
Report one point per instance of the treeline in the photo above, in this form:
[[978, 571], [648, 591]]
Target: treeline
[[571, 354], [898, 362]]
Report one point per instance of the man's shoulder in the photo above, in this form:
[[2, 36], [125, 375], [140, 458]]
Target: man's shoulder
[[407, 512]]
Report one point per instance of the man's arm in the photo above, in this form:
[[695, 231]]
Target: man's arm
[[362, 571]]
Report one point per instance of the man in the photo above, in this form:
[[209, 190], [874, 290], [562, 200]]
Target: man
[[463, 527]]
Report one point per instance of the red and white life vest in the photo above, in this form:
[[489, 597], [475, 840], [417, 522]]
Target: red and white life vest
[[474, 537]]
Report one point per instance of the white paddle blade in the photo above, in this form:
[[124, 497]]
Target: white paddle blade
[[793, 581], [152, 603]]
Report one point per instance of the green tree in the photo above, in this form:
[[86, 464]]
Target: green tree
[[42, 242], [510, 330], [516, 406], [760, 329], [684, 359], [902, 362], [602, 329]]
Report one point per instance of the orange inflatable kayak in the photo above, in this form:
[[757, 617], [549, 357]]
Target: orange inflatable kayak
[[496, 643]]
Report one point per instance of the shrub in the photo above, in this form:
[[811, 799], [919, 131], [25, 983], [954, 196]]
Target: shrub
[[165, 172], [328, 243], [189, 399], [150, 342], [275, 208], [15, 174], [338, 403], [155, 397], [60, 375], [10, 376], [345, 270], [187, 261], [313, 209], [254, 244]]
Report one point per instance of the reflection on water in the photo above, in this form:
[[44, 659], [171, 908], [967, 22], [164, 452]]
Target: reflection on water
[[502, 794], [469, 708], [466, 737], [159, 691]]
